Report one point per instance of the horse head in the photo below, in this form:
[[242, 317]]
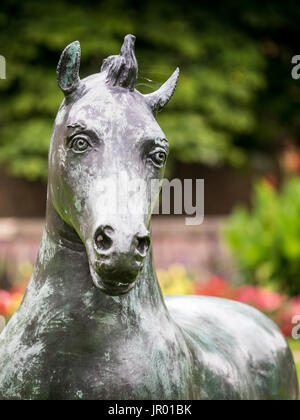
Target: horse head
[[106, 128]]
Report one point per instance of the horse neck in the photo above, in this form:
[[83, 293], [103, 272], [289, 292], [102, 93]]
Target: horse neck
[[62, 270]]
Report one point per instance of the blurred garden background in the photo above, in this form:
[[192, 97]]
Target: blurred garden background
[[234, 121]]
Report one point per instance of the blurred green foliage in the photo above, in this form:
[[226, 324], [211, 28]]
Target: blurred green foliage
[[266, 240], [235, 95]]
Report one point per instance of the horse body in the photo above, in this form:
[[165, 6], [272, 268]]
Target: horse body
[[79, 343], [239, 352], [93, 323]]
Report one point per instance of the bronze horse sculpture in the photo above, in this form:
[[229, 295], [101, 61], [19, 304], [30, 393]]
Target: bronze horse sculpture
[[93, 323]]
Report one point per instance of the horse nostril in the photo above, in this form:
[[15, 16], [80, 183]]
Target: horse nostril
[[102, 239], [143, 244]]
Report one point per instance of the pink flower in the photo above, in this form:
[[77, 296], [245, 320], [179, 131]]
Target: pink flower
[[285, 316], [262, 298]]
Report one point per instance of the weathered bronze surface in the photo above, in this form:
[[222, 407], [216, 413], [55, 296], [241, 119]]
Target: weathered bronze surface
[[93, 323]]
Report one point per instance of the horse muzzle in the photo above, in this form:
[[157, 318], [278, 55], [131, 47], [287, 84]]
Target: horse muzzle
[[118, 259]]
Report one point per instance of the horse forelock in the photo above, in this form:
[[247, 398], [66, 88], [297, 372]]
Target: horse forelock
[[122, 70]]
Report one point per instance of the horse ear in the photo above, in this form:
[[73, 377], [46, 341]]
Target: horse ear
[[68, 68], [158, 99]]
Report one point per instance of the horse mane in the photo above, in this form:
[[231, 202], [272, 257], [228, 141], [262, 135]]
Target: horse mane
[[122, 69]]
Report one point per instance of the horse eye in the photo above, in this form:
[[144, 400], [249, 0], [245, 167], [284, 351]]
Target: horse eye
[[79, 144], [159, 158]]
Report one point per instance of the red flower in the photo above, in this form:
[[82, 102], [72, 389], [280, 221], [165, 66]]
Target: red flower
[[4, 302], [10, 301], [216, 286]]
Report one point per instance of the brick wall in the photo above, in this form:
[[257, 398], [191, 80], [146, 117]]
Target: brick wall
[[196, 247], [20, 198], [224, 188]]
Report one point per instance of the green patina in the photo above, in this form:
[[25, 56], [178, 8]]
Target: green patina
[[93, 323], [70, 64]]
